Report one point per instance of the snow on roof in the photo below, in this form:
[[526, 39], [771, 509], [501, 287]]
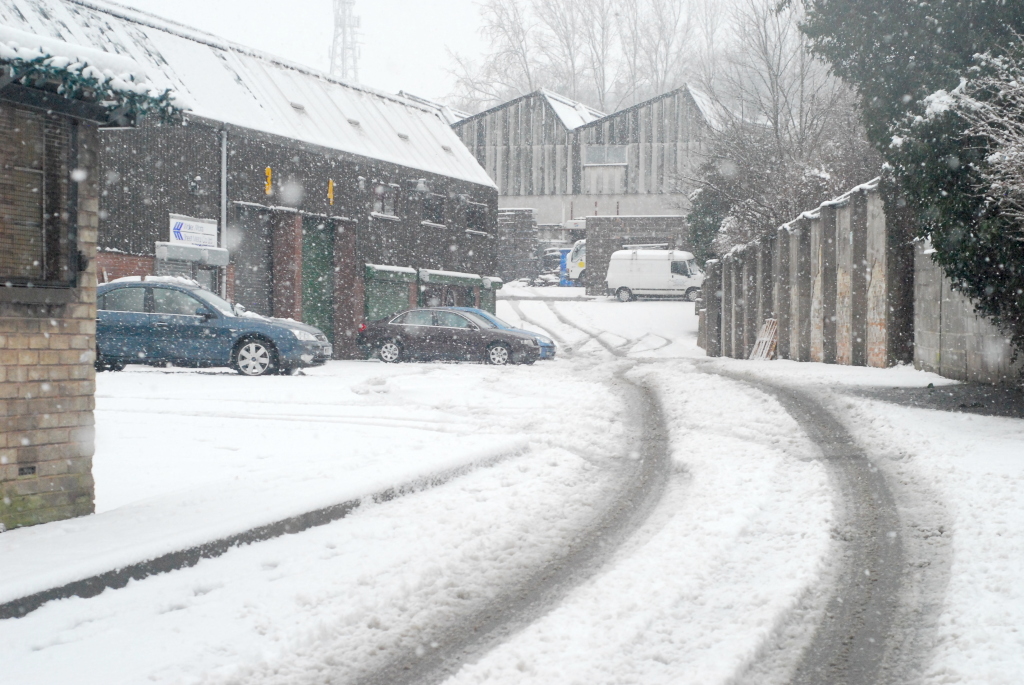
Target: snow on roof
[[711, 112], [449, 114], [395, 269], [111, 78], [237, 85], [572, 114]]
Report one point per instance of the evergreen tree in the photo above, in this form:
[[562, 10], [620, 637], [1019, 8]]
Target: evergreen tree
[[905, 58]]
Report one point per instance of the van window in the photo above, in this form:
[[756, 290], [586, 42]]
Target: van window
[[681, 268], [694, 269]]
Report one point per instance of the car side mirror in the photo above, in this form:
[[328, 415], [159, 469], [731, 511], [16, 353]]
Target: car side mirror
[[205, 313], [474, 327]]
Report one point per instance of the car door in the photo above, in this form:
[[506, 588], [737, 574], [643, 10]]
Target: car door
[[123, 324], [178, 330], [455, 337], [413, 330]]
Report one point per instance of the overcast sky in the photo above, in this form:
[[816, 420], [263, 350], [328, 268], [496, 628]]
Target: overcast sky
[[404, 42]]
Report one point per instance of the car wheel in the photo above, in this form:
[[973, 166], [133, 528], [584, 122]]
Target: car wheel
[[579, 280], [254, 357], [499, 354], [104, 364], [693, 294], [390, 352], [624, 294]]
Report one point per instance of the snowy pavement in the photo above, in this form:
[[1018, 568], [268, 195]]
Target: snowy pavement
[[721, 575]]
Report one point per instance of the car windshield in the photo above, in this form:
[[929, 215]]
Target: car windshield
[[215, 301]]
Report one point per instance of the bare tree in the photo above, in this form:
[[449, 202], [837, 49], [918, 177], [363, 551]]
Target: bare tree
[[513, 64], [599, 24], [790, 134]]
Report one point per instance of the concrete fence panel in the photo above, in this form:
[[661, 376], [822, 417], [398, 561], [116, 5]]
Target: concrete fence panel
[[844, 284], [877, 303], [782, 290], [713, 303]]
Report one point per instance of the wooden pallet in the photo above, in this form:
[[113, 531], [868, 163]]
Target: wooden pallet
[[767, 340]]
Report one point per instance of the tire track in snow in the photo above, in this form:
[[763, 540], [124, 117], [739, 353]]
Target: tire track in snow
[[866, 623], [519, 606], [862, 632]]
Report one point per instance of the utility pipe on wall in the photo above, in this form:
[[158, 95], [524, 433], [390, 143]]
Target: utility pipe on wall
[[224, 207]]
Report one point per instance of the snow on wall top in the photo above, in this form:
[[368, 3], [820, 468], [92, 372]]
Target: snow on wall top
[[572, 114], [236, 85]]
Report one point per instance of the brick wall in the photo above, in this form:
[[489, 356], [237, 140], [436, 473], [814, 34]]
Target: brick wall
[[113, 265], [47, 384]]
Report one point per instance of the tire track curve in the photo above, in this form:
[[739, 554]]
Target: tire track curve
[[865, 635], [643, 484]]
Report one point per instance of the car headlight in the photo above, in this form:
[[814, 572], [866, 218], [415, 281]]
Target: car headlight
[[532, 342], [544, 341], [303, 335]]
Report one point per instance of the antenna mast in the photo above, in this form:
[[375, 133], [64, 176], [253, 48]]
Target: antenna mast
[[345, 50]]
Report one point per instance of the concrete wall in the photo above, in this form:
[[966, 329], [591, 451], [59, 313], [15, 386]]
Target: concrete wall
[[949, 338], [835, 279]]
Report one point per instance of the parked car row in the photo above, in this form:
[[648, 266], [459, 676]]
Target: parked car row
[[169, 320]]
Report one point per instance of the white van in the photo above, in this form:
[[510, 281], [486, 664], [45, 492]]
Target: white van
[[576, 262], [653, 273]]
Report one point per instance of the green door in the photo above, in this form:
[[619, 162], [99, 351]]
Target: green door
[[318, 275]]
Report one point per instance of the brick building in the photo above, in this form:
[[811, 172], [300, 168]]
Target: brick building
[[294, 182], [49, 216]]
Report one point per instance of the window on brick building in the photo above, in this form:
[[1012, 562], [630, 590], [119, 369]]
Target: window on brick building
[[433, 209], [476, 217], [37, 241], [384, 200]]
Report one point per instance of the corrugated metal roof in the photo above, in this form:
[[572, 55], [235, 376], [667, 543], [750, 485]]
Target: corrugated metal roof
[[571, 113], [226, 82]]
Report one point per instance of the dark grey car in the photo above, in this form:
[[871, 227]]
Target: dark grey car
[[447, 335]]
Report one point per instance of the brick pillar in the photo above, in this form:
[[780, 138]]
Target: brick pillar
[[287, 254], [47, 380], [349, 292], [750, 320]]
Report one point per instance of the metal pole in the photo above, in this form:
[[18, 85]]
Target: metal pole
[[224, 207]]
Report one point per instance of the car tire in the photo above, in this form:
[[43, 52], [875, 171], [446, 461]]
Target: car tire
[[693, 294], [579, 279], [104, 364], [390, 352], [499, 354], [624, 295], [254, 357]]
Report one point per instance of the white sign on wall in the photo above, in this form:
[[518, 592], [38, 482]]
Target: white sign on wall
[[198, 232]]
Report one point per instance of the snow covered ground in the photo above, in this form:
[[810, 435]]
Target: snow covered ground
[[726, 559]]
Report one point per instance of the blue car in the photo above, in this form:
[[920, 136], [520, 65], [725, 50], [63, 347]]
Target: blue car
[[167, 320], [546, 344]]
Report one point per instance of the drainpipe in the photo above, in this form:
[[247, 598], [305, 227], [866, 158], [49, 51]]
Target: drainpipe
[[224, 207]]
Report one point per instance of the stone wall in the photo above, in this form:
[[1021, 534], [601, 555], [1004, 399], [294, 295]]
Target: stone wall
[[47, 382], [950, 339]]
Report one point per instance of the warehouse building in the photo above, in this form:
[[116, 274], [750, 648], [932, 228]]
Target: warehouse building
[[567, 160]]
